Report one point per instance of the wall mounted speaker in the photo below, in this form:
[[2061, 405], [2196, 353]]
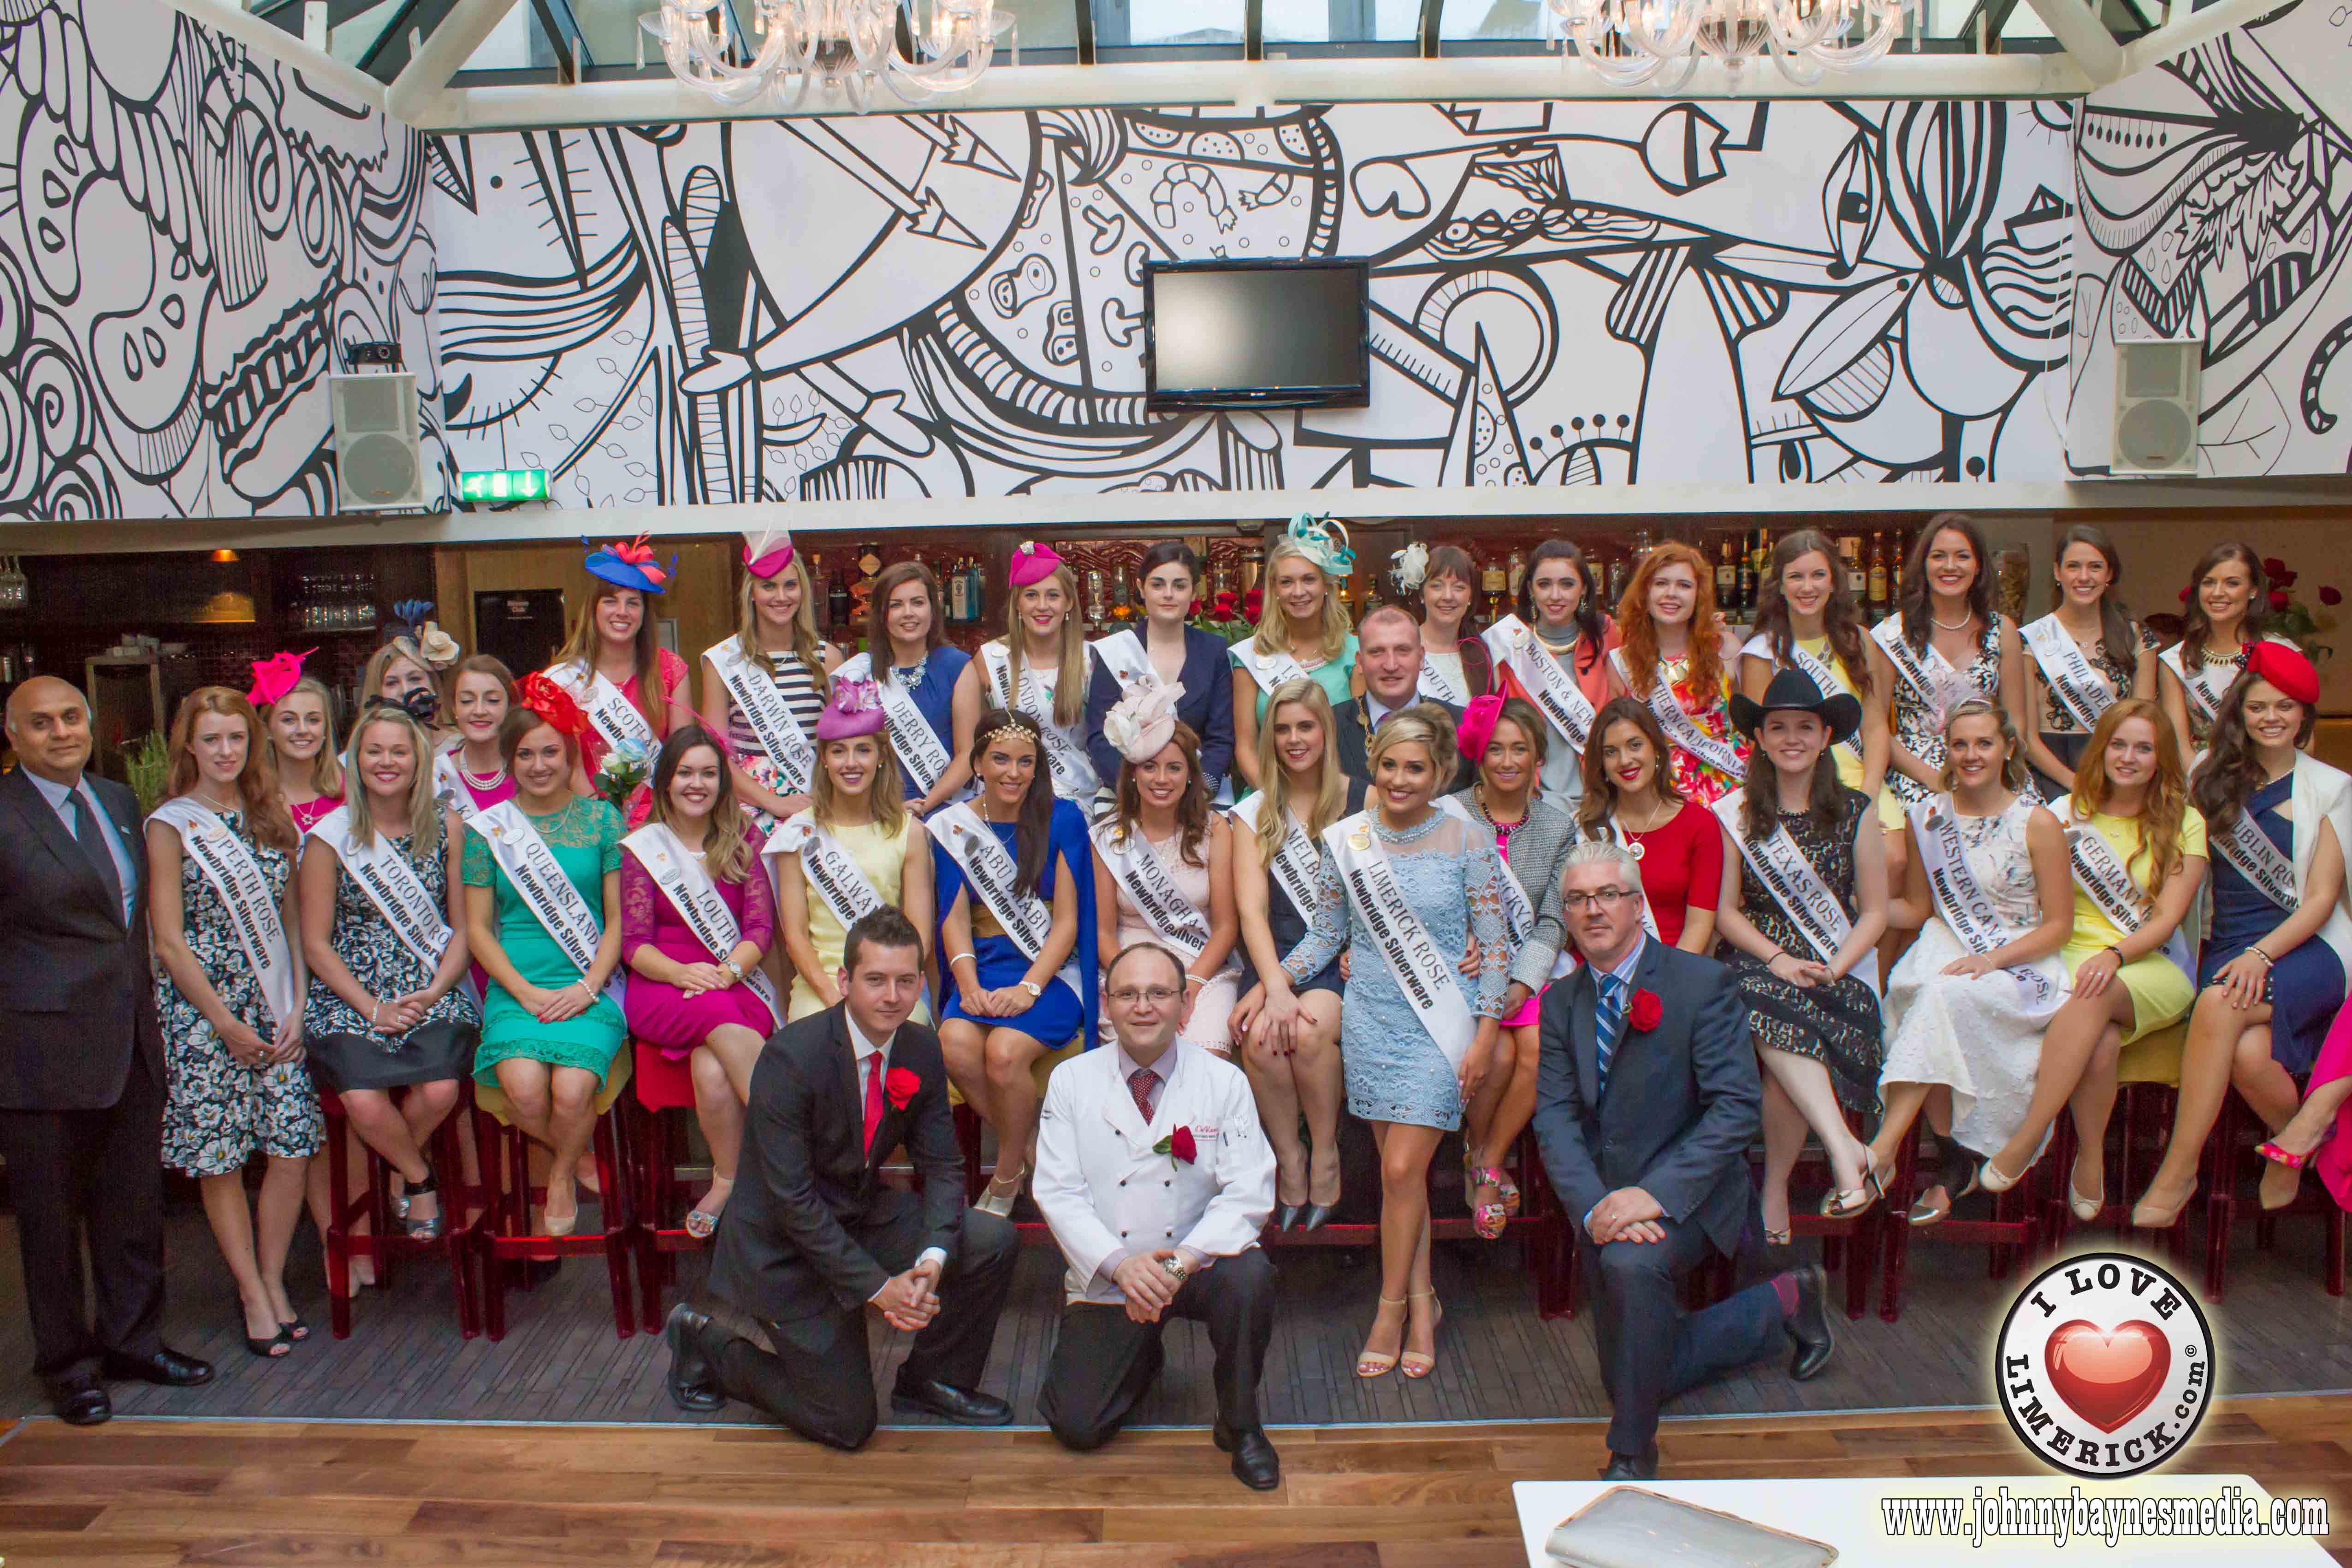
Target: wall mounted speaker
[[378, 464], [2155, 407]]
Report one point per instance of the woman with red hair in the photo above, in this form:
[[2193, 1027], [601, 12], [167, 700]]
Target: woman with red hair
[[1674, 660]]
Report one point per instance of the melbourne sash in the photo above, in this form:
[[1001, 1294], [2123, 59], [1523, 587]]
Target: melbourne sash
[[1518, 906], [1511, 641], [1422, 973], [1125, 656], [390, 883], [920, 751], [1940, 686], [2110, 883], [1723, 756], [990, 868], [575, 926], [1074, 776], [828, 868], [1298, 866], [771, 717], [2066, 671], [1964, 906], [230, 866], [608, 707], [1826, 681], [687, 886], [1136, 866], [1268, 670], [2204, 699], [1436, 685], [2252, 854], [1781, 867]]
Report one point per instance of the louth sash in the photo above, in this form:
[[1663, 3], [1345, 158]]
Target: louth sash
[[573, 923], [990, 868], [687, 884], [232, 872], [2099, 872], [1422, 972], [920, 751], [1074, 776], [1963, 904], [1781, 865], [1298, 866], [616, 718], [770, 716], [1512, 642], [1939, 685], [1136, 866], [390, 883], [2066, 671], [828, 867], [1723, 756]]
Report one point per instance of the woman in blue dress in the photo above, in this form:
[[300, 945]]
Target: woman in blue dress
[[905, 626], [1399, 1078], [1005, 1003]]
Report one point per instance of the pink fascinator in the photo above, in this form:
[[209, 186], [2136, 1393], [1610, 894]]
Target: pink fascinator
[[1142, 722], [275, 676], [855, 709], [767, 550], [1031, 563], [1477, 725]]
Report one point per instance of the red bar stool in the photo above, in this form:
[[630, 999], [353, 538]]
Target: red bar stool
[[386, 1238], [2012, 1233], [502, 1235], [1849, 1245], [654, 1144], [2229, 1155]]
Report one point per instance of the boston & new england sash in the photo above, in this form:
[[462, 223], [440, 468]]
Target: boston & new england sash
[[1512, 642]]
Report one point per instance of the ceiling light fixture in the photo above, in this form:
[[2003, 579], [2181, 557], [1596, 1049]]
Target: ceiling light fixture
[[845, 49]]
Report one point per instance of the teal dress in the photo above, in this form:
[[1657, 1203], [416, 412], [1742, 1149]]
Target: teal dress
[[585, 838], [1333, 675]]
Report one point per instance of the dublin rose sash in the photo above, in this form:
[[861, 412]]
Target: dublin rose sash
[[1298, 866], [1512, 642], [770, 716], [2109, 882], [2066, 671], [1939, 685], [989, 867], [390, 883], [1074, 776], [2252, 854], [828, 867], [1722, 756], [1781, 867], [538, 878], [608, 707], [1963, 904], [920, 751], [687, 886], [1422, 972], [221, 854]]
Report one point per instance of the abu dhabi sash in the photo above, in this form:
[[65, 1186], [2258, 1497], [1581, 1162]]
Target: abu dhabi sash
[[1939, 686], [221, 854], [771, 717], [1826, 681], [569, 921], [616, 718], [1298, 865], [390, 883], [687, 886], [1512, 642], [1125, 656], [1268, 670], [920, 751], [2252, 855], [1136, 866], [826, 867], [2204, 697], [989, 869], [1436, 685], [2109, 882], [1518, 906], [1963, 904], [1422, 972], [1723, 756], [2067, 674], [1074, 776], [1781, 865]]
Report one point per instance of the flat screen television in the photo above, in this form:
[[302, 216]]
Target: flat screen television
[[1256, 334]]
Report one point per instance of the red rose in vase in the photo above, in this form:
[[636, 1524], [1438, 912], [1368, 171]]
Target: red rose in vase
[[898, 1086], [1645, 1012]]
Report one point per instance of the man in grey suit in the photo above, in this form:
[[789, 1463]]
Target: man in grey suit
[[1646, 1100], [81, 1061]]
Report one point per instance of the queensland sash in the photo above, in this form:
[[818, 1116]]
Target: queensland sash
[[1422, 972], [569, 921], [920, 751], [771, 717], [1723, 756], [1074, 776], [1781, 865], [687, 886], [390, 883], [1964, 906], [221, 854], [989, 867]]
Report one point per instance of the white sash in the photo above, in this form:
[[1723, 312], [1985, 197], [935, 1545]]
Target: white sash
[[920, 751], [686, 883], [230, 866], [1519, 906], [616, 718], [1421, 971], [1298, 866], [1827, 681], [1125, 656], [2067, 674], [989, 869], [449, 785], [1795, 887], [1723, 756], [2109, 882], [2252, 854], [392, 884], [575, 925], [828, 867], [1137, 868], [2204, 701], [770, 716], [1964, 906], [1268, 670], [1436, 685], [1511, 641], [1940, 686], [1074, 776]]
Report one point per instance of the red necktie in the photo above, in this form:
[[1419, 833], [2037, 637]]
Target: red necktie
[[873, 1098], [1143, 1084]]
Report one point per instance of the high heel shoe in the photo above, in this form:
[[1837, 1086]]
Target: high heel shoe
[[1286, 1215], [1848, 1203], [551, 1224], [1489, 1218], [2146, 1216], [1413, 1363], [426, 1230], [275, 1347], [2270, 1151], [700, 1222], [997, 1199], [1375, 1363]]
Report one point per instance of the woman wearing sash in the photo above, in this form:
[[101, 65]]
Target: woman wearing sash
[[691, 879], [1016, 882], [550, 1029], [220, 868], [2071, 673], [857, 847], [1806, 620], [2229, 601], [1304, 631], [2278, 944], [626, 683], [384, 938], [1177, 655], [1290, 1033], [1673, 660], [470, 775], [1800, 917], [929, 688], [1040, 667], [1454, 664], [1164, 861], [1410, 1067], [299, 716], [765, 685], [1628, 797], [1555, 653], [1507, 736], [1986, 883]]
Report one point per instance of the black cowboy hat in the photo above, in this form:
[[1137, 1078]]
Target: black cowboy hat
[[1792, 691]]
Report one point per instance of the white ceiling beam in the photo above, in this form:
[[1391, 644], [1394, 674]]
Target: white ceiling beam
[[2189, 28], [447, 49], [263, 38], [2076, 25]]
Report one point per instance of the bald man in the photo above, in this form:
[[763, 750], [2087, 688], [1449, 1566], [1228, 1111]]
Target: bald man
[[81, 1061]]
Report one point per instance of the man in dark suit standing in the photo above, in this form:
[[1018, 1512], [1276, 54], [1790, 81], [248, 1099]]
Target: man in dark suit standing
[[81, 1061], [1389, 657], [812, 1237], [1647, 1098]]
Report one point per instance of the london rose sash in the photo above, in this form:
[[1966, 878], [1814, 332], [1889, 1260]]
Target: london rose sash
[[2109, 882], [1781, 865], [2066, 671], [1422, 972], [828, 868], [1963, 904], [1298, 866], [687, 886], [1135, 865], [234, 874], [1939, 686], [920, 751], [989, 867], [770, 716], [574, 925], [1722, 756], [608, 707], [390, 883], [1553, 689], [1074, 776], [1826, 681]]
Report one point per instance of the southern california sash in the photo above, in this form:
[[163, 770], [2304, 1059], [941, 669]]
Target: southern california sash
[[1436, 685], [1421, 971], [574, 925], [1518, 906], [390, 883], [770, 716], [687, 886], [1826, 681], [2110, 883], [2252, 854], [2067, 674], [1074, 776], [1781, 867], [1939, 685], [1125, 656], [1723, 756], [1963, 904], [828, 868], [989, 867], [2202, 696], [1268, 670], [608, 707], [920, 751], [1511, 641], [220, 853], [1298, 866], [1136, 866]]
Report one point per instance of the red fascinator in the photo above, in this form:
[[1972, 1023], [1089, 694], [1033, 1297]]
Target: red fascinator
[[275, 676], [2284, 667], [554, 705]]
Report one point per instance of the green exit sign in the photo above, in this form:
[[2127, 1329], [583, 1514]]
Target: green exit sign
[[503, 485]]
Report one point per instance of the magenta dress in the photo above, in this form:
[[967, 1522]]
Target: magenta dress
[[306, 815], [2335, 1159], [660, 1014]]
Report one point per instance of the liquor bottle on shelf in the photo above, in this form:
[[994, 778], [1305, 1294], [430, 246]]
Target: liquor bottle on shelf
[[1748, 576], [1493, 582], [1726, 576], [1093, 596], [1857, 576], [1879, 575], [1518, 571], [1122, 601], [837, 598]]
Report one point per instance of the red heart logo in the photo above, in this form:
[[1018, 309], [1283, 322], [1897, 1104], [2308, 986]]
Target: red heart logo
[[2108, 1375]]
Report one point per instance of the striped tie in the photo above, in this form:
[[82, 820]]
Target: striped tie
[[1607, 1018]]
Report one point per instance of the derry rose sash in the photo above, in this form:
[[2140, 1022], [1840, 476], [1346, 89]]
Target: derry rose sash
[[2066, 671], [1781, 867], [687, 886], [1939, 685], [1136, 866], [1518, 906], [771, 717], [2203, 698], [1963, 904], [1074, 776], [1125, 656], [2252, 854], [1268, 670], [989, 867], [1298, 865], [538, 880], [827, 868], [230, 866], [616, 718], [1421, 971], [390, 883], [1436, 685], [2110, 883], [1511, 641], [1723, 756], [920, 751], [1826, 681]]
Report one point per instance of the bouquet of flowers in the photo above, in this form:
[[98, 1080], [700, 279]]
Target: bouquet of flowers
[[625, 767], [1230, 615]]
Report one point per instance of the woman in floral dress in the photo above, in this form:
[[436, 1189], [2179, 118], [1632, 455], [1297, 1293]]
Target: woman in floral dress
[[1671, 639]]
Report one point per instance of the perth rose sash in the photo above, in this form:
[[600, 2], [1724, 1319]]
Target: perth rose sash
[[684, 882], [920, 751], [1422, 973], [771, 717], [390, 883], [234, 874], [569, 921]]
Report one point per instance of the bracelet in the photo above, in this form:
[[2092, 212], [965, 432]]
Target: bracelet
[[955, 958], [1196, 979], [375, 1017], [2267, 960]]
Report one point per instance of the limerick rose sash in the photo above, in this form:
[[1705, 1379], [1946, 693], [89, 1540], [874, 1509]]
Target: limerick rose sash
[[1135, 865], [1422, 972], [1268, 670], [2066, 671], [919, 750], [2249, 850], [1781, 865], [1723, 756], [575, 924], [1519, 906], [616, 718], [687, 886], [390, 883], [1074, 776], [828, 868], [1964, 906], [232, 872], [1298, 866], [2109, 884], [1931, 675], [771, 717], [989, 867], [1548, 682]]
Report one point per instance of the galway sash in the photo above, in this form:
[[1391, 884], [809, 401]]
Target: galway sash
[[616, 718], [1964, 906], [920, 751], [1074, 776], [1136, 866], [1723, 756], [1931, 674], [1268, 670], [687, 886], [390, 883], [538, 880], [2067, 674], [827, 868], [1512, 642], [1795, 887], [1827, 681], [2252, 854], [1436, 685], [2204, 697], [1518, 906], [2108, 881], [221, 854], [1422, 972], [770, 716], [989, 867], [1125, 656], [1298, 866]]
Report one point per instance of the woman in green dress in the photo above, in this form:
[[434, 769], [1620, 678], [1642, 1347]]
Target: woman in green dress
[[550, 1032]]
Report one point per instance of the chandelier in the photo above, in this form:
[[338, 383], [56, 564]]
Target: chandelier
[[845, 49], [1632, 43]]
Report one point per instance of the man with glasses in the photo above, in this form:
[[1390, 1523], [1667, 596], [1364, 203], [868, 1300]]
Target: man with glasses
[[1156, 1180], [1646, 1102]]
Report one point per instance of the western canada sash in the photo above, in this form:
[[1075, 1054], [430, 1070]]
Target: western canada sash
[[989, 867], [1781, 865], [770, 716], [2067, 674], [2204, 697], [1436, 685], [390, 883], [1939, 686], [920, 751], [1298, 866], [571, 921], [220, 853], [2100, 874], [2252, 854], [1512, 642], [1074, 776], [828, 868], [1723, 756], [616, 718], [1518, 906], [1964, 906], [1125, 656], [1420, 970], [1136, 866], [1829, 682], [687, 884], [1268, 670]]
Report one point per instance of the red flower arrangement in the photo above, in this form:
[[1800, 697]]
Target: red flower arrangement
[[898, 1086], [1179, 1147], [1645, 1012]]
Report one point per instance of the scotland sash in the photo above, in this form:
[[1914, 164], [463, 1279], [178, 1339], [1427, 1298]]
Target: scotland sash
[[608, 707]]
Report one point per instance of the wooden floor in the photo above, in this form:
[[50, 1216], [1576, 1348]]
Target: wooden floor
[[141, 1492]]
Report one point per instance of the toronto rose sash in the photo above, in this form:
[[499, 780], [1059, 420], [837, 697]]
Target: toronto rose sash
[[989, 867], [687, 884], [1074, 776], [920, 751], [608, 707], [569, 921], [770, 716], [1963, 904], [2252, 854], [828, 869], [1436, 685], [1268, 670], [390, 883], [1518, 906], [1511, 641], [2109, 882], [1298, 866], [1422, 972], [2204, 697], [1136, 866], [1939, 686], [1781, 865], [1723, 756], [221, 854], [1826, 681], [2067, 674]]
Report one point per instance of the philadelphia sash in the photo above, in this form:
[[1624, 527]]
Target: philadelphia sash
[[989, 867], [1781, 867], [770, 716], [828, 867], [390, 883], [616, 718], [1298, 866], [918, 747], [2066, 671], [232, 872], [1422, 972], [1511, 641], [1074, 776], [2110, 885], [687, 884], [574, 925], [1723, 756], [1964, 906], [1135, 865]]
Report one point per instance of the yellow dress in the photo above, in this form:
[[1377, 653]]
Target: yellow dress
[[881, 858], [2161, 994]]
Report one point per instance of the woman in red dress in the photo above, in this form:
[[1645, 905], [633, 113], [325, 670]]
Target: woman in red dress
[[1628, 798]]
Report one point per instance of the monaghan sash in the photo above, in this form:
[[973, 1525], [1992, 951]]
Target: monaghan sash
[[1268, 670], [2109, 882], [1511, 641], [1794, 885], [230, 866], [1125, 656], [1436, 685], [1136, 866], [573, 923], [1964, 906], [1074, 776], [920, 751], [1827, 681], [687, 886], [1421, 971], [2067, 674], [616, 718], [2204, 699], [1518, 907], [392, 884], [2252, 854], [1723, 756], [990, 868], [771, 717], [1298, 866], [826, 867], [1940, 686]]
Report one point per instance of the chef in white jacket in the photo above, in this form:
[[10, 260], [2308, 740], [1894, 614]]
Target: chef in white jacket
[[1155, 1179]]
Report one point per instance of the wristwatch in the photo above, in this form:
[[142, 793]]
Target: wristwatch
[[732, 968], [1033, 989], [1175, 1269]]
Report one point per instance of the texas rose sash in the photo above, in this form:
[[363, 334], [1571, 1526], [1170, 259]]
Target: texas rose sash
[[230, 866], [827, 868], [2108, 881], [1422, 972], [1074, 776], [771, 717], [1298, 866], [1518, 906], [919, 750], [2252, 854], [2204, 697], [2066, 671], [390, 883], [1268, 670], [616, 718], [989, 867], [1723, 756], [1826, 681], [1436, 685], [1510, 642], [1135, 865], [1963, 904], [687, 886], [1931, 675], [1781, 865], [538, 880]]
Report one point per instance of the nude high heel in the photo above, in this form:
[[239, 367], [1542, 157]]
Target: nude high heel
[[1379, 1364]]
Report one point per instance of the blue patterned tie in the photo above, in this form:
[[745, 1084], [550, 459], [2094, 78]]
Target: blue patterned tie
[[1608, 1018]]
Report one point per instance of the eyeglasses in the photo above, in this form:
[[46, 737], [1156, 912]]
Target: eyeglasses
[[1158, 995], [1600, 897]]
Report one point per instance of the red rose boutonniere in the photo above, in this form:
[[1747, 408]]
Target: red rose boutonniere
[[898, 1086], [1179, 1147], [1646, 1010]]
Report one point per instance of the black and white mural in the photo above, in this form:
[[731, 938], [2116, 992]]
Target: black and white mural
[[948, 304], [190, 232], [2216, 199]]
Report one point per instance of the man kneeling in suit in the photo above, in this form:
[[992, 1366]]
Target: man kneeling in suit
[[1156, 1178], [812, 1237], [1647, 1097]]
